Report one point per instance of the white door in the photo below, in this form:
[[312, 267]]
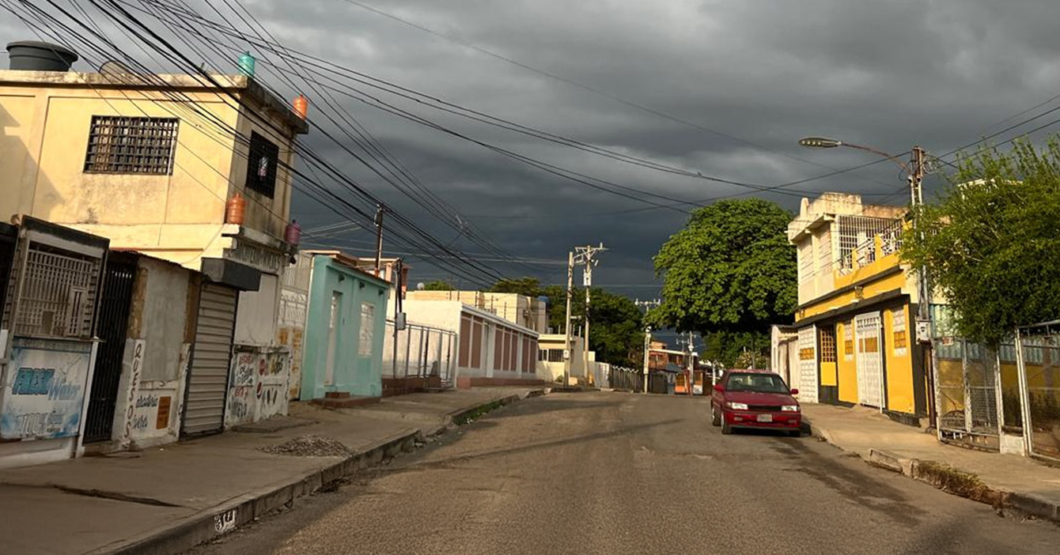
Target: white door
[[869, 359], [333, 331], [807, 375]]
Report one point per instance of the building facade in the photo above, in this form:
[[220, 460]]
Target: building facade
[[854, 336], [490, 350], [344, 330], [194, 173]]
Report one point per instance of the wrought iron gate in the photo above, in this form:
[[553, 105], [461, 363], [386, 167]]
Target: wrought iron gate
[[869, 359], [113, 321]]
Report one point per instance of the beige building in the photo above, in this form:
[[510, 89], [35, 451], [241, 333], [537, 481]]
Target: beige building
[[526, 311], [150, 161]]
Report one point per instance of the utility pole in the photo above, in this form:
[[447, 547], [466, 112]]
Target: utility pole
[[586, 255], [923, 324], [378, 239], [566, 327], [691, 362], [647, 305]]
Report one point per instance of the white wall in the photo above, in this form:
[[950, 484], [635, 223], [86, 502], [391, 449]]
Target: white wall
[[256, 315]]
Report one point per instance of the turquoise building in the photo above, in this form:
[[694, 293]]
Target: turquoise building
[[344, 331]]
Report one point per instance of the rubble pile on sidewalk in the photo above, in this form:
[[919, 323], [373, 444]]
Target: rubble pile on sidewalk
[[309, 446]]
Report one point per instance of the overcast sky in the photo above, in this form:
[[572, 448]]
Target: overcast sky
[[740, 82]]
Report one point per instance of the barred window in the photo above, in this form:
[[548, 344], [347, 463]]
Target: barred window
[[828, 353], [261, 165], [118, 144]]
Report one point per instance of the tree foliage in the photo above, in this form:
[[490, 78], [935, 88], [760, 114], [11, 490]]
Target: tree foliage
[[729, 272], [991, 242], [438, 285], [616, 332]]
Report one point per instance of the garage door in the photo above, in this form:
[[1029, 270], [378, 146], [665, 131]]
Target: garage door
[[210, 359], [869, 359], [808, 382]]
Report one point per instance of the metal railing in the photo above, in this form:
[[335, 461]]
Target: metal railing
[[422, 352], [626, 378]]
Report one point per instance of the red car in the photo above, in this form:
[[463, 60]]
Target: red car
[[755, 399]]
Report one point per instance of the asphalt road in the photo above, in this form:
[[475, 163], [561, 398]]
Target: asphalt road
[[608, 473]]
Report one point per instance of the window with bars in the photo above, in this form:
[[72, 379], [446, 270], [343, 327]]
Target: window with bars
[[119, 144], [261, 165], [828, 352]]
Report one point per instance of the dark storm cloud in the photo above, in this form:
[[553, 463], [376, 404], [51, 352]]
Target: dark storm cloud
[[765, 72]]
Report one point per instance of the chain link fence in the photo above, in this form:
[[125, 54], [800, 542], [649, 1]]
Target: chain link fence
[[967, 391]]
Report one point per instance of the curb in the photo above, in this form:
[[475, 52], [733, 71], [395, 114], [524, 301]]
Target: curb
[[222, 519], [1026, 503]]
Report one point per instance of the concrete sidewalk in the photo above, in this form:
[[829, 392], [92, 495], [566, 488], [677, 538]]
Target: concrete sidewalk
[[1001, 480], [168, 499]]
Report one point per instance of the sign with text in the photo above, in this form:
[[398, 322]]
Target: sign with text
[[44, 389]]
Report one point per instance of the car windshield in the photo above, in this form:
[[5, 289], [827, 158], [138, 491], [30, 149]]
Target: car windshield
[[763, 383]]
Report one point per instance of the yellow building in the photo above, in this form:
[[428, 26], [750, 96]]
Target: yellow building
[[853, 340]]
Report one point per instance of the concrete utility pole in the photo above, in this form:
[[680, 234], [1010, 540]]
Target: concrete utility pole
[[586, 255], [647, 305], [566, 327]]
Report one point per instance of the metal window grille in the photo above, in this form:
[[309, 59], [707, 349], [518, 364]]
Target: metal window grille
[[828, 351], [59, 294], [856, 233], [261, 165], [118, 144]]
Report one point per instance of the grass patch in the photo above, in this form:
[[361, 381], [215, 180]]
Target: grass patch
[[957, 482], [472, 415]]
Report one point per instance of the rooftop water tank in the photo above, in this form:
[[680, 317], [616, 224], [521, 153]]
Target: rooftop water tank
[[39, 56]]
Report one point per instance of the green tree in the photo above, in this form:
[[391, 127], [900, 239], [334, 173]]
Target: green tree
[[438, 285], [991, 242], [729, 274]]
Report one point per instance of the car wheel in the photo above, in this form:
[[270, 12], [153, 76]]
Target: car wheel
[[726, 429], [714, 419]]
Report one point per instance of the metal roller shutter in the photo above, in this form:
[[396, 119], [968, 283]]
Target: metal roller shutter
[[211, 356]]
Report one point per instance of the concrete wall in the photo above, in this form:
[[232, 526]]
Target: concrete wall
[[256, 318], [155, 364], [291, 317]]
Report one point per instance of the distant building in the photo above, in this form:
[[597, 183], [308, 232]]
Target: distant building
[[528, 312]]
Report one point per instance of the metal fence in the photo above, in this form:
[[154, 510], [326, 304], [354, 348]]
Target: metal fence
[[626, 378], [966, 390], [1038, 348], [422, 352]]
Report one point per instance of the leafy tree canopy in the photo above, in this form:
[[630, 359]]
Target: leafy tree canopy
[[991, 242], [729, 270], [438, 285]]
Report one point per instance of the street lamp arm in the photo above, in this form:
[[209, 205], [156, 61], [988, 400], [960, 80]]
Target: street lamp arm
[[903, 165]]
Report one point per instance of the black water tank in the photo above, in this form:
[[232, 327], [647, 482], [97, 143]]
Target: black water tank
[[31, 55]]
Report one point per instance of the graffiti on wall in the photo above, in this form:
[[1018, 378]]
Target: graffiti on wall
[[44, 389], [258, 385]]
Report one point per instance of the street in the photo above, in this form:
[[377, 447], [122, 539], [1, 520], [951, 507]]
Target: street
[[622, 473]]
